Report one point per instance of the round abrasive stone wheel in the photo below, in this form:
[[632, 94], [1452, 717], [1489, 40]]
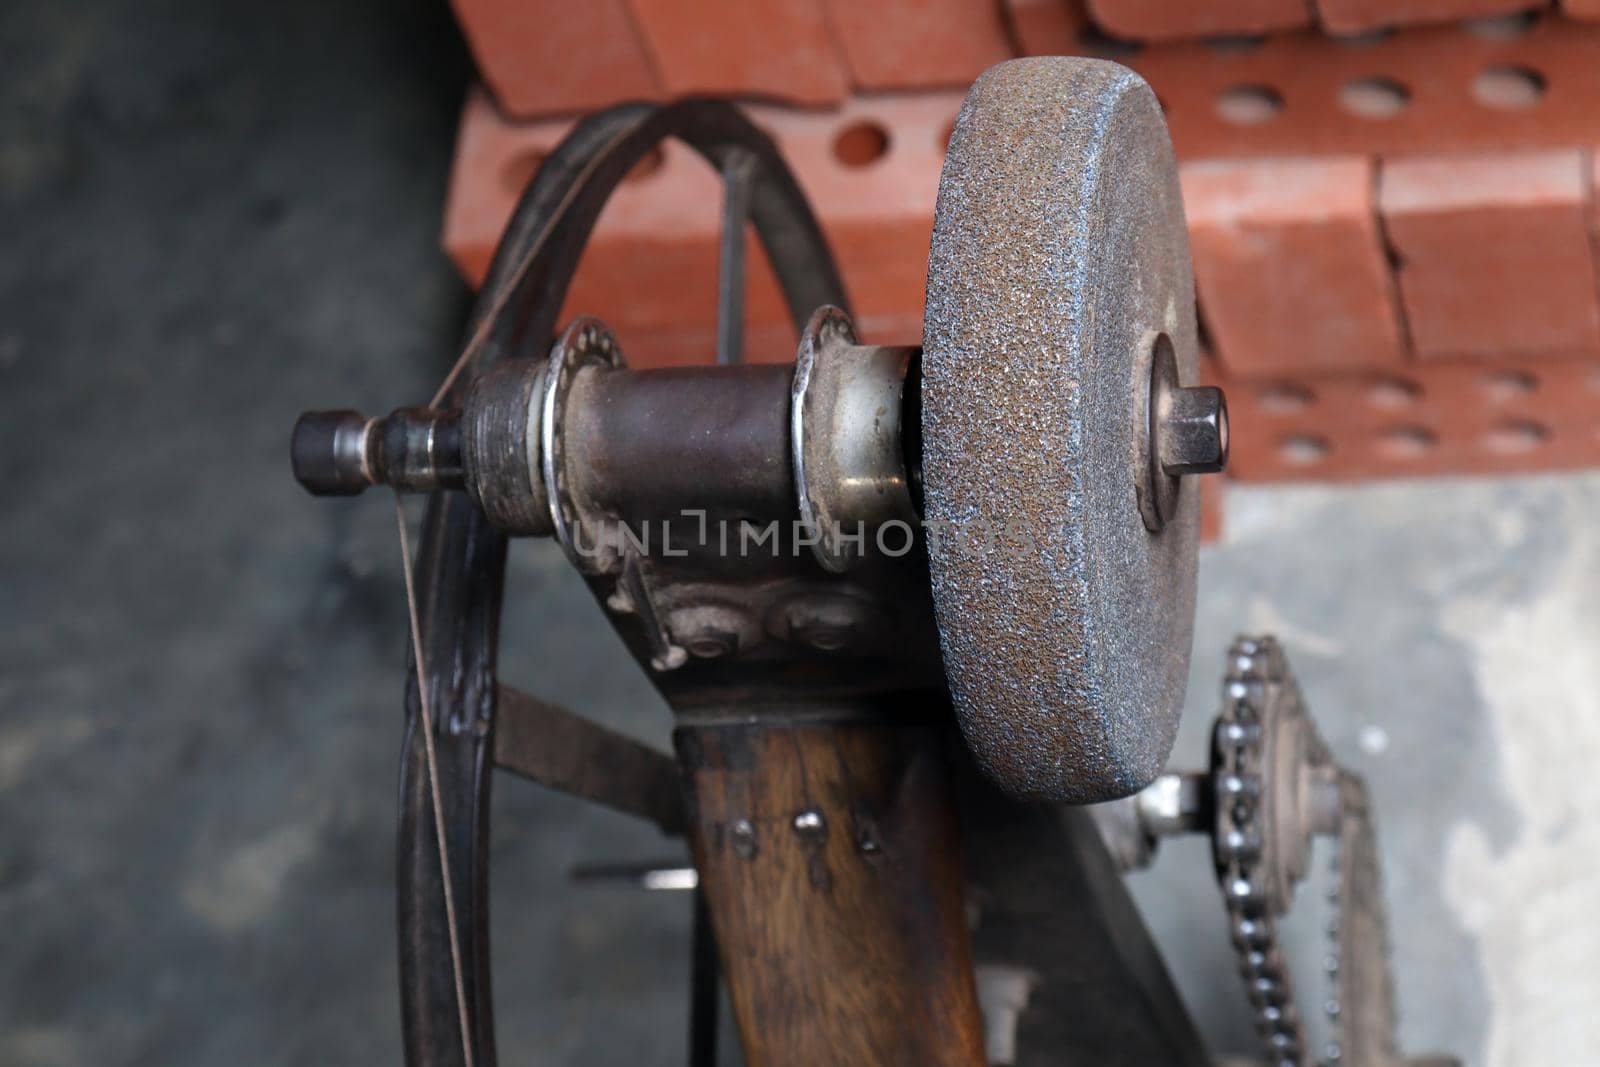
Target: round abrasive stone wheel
[[1060, 260]]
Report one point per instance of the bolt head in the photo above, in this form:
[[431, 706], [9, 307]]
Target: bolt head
[[1192, 437]]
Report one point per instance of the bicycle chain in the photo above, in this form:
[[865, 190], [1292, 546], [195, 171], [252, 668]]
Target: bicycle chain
[[1361, 1007], [1263, 825]]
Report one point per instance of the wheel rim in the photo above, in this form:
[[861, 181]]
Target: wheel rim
[[460, 565]]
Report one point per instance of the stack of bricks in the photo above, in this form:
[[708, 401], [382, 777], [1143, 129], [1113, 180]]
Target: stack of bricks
[[1391, 202]]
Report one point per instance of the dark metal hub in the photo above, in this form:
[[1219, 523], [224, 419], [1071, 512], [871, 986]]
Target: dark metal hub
[[563, 446], [1187, 432]]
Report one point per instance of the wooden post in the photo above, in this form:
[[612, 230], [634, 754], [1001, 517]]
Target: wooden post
[[830, 857]]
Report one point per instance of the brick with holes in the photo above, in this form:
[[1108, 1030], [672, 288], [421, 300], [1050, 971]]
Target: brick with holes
[[1172, 20], [1494, 253], [1510, 85], [1501, 417], [772, 48], [1289, 265], [1361, 16], [917, 44]]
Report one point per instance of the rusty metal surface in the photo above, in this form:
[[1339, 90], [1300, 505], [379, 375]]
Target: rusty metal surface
[[342, 453], [586, 347], [845, 432], [563, 750], [649, 438], [1265, 754], [1272, 786], [1058, 243], [498, 431]]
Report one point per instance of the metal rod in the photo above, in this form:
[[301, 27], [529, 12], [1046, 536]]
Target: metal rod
[[565, 751], [738, 173], [656, 442]]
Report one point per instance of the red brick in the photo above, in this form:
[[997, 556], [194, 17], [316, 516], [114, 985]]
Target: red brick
[[1212, 510], [1429, 419], [877, 215], [917, 44], [1494, 253], [1359, 16], [773, 48], [1046, 27], [1440, 72], [1171, 20], [527, 49], [1289, 265]]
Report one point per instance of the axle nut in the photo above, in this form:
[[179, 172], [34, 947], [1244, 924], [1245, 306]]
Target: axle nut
[[1185, 430], [329, 452], [1192, 436]]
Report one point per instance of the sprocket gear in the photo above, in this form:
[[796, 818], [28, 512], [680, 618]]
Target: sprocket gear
[[1272, 787], [1275, 787]]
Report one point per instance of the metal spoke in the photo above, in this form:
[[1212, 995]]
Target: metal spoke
[[565, 751], [738, 173]]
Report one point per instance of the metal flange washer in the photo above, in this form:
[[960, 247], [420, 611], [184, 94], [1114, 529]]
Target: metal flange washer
[[1063, 567], [847, 438], [586, 343]]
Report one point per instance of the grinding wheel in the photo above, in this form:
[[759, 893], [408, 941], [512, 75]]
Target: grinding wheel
[[1060, 264]]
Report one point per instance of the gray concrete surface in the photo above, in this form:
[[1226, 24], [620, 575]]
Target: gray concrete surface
[[212, 216]]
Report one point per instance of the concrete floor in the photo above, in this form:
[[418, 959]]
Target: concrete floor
[[213, 216]]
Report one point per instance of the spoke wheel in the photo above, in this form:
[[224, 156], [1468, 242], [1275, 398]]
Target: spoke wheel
[[460, 565]]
